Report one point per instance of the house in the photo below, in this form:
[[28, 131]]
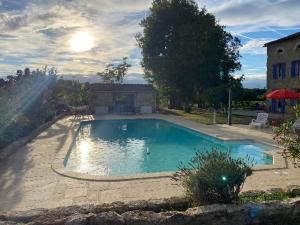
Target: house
[[122, 98], [283, 69]]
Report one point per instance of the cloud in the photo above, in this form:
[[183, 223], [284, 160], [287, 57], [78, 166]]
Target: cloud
[[37, 32], [257, 14], [255, 47]]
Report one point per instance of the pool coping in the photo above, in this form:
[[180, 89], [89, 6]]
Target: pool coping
[[58, 164]]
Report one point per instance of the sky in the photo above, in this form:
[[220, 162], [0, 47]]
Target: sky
[[80, 37]]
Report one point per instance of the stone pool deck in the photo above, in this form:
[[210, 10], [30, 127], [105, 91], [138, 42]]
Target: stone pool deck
[[27, 180]]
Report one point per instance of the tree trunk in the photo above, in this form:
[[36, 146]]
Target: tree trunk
[[187, 108], [229, 108], [215, 116]]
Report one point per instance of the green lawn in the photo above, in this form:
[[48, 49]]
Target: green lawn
[[206, 117]]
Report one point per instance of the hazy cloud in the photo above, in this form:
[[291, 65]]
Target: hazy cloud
[[38, 32], [255, 47], [259, 13]]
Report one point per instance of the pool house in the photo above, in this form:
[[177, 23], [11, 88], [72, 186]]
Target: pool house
[[122, 98]]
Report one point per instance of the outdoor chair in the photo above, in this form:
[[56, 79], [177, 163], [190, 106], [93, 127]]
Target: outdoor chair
[[78, 111], [261, 120]]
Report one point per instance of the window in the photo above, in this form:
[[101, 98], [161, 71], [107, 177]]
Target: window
[[280, 50], [281, 105], [295, 68], [279, 71]]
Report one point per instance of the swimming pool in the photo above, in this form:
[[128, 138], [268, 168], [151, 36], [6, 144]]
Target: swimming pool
[[134, 146]]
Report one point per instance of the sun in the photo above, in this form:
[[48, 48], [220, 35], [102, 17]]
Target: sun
[[81, 42]]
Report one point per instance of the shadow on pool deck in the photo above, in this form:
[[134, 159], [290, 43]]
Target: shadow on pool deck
[[20, 171], [12, 176]]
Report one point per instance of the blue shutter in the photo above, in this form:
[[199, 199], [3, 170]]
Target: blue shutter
[[275, 71], [282, 105], [283, 70], [273, 108], [293, 69]]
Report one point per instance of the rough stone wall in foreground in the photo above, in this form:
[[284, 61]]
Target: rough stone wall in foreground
[[271, 213]]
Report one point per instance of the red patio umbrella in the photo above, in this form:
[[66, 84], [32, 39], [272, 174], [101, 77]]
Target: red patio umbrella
[[283, 94]]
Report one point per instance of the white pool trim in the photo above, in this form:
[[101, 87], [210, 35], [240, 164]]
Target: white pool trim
[[58, 165]]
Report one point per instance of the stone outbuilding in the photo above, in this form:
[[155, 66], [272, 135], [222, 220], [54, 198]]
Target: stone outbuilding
[[122, 98]]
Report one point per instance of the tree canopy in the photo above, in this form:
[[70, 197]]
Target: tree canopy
[[26, 102], [115, 73], [185, 51]]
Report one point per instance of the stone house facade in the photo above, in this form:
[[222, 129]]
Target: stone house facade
[[122, 98], [283, 69]]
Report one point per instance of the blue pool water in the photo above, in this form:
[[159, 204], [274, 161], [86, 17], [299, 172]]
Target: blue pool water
[[123, 147]]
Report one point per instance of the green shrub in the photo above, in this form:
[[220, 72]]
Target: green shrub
[[289, 139], [262, 196], [214, 177]]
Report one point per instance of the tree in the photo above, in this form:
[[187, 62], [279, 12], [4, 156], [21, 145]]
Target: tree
[[27, 72], [289, 139], [218, 95], [71, 93], [185, 51], [115, 73], [26, 102]]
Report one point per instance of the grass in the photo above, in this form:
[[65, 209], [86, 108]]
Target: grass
[[263, 196], [244, 198], [206, 117]]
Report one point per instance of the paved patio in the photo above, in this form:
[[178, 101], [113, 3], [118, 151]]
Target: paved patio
[[27, 180]]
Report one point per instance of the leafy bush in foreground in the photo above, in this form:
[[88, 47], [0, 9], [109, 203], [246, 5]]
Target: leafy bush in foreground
[[214, 177], [289, 139]]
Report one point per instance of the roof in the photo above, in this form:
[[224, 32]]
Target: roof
[[121, 87], [292, 36]]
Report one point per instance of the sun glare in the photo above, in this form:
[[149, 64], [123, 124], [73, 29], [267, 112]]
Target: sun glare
[[81, 42]]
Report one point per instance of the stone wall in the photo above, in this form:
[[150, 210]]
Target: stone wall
[[105, 95], [289, 54], [102, 99], [153, 213], [146, 99], [141, 98]]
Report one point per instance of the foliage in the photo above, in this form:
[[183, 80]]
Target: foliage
[[115, 73], [26, 101], [29, 99], [217, 96], [289, 139], [262, 196], [247, 94], [71, 93], [214, 177], [249, 98], [185, 51]]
